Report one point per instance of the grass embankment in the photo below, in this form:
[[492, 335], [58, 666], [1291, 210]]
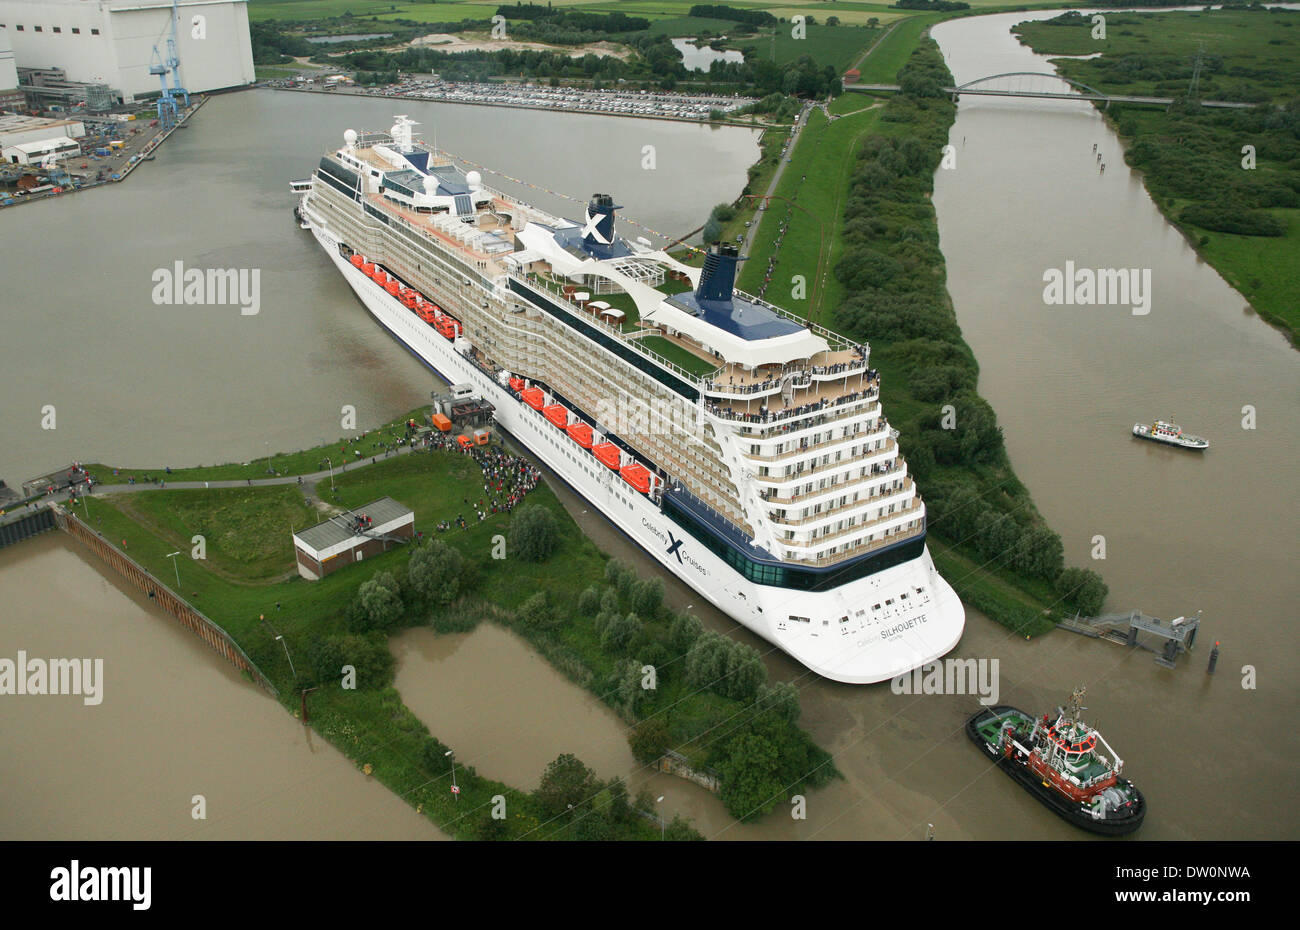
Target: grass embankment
[[1244, 221], [813, 188], [248, 573], [305, 462]]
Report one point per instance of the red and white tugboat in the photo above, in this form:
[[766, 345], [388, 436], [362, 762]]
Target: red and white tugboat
[[1062, 763]]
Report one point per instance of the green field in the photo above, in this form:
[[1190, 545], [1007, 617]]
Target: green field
[[816, 180]]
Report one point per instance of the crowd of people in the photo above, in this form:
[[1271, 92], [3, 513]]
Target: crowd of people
[[507, 479]]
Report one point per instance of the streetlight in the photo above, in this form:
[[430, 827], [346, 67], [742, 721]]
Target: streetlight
[[172, 555], [663, 826], [280, 637], [331, 465], [267, 443], [455, 789]]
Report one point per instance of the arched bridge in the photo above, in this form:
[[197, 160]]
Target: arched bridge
[[1043, 85], [1028, 84]]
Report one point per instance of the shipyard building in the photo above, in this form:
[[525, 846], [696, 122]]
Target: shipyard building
[[113, 43]]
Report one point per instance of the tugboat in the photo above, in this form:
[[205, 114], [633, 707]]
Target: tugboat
[[1061, 764], [1171, 434]]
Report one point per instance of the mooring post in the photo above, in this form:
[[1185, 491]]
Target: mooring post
[[1214, 658]]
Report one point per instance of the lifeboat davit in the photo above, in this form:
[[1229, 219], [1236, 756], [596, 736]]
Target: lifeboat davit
[[608, 454], [638, 476], [516, 384], [557, 415], [580, 433], [357, 260], [534, 398]]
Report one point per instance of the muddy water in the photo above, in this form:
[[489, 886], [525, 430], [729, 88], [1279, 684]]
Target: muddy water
[[503, 708], [176, 721]]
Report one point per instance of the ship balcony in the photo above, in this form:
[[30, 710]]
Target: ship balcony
[[758, 426], [862, 503], [861, 548], [865, 458], [812, 450], [886, 454], [910, 512], [733, 380]]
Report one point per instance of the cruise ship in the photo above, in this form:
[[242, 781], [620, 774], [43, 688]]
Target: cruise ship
[[742, 447]]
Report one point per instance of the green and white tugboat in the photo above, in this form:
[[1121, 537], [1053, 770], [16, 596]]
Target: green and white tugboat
[[1061, 763]]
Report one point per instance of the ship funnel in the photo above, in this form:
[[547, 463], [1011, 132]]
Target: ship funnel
[[718, 279], [598, 232]]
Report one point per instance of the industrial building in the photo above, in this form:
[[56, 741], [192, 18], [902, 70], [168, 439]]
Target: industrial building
[[26, 140], [121, 43], [350, 537]]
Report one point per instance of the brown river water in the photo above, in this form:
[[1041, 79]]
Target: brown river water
[[1215, 532]]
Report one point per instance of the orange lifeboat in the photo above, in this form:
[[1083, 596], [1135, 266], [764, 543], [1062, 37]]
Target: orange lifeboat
[[638, 476], [379, 277], [357, 260], [448, 326], [368, 270], [557, 415], [393, 287], [534, 398], [516, 384], [608, 454], [427, 312], [580, 433]]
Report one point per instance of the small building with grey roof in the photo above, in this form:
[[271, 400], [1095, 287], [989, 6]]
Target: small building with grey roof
[[351, 536]]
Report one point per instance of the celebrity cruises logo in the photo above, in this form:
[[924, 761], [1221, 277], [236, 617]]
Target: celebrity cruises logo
[[1116, 287], [212, 287], [26, 675], [80, 882]]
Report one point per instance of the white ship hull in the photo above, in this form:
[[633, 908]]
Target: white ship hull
[[872, 645]]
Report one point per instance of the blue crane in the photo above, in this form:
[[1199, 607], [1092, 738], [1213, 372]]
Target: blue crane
[[159, 65]]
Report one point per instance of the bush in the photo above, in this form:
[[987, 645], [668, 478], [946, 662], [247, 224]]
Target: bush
[[647, 597], [684, 631], [619, 633], [589, 602], [434, 571], [533, 533], [1084, 589], [536, 612], [368, 654], [378, 604], [566, 781]]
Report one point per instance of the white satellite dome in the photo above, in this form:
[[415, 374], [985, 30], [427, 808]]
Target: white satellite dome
[[430, 184], [474, 180], [350, 137]]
